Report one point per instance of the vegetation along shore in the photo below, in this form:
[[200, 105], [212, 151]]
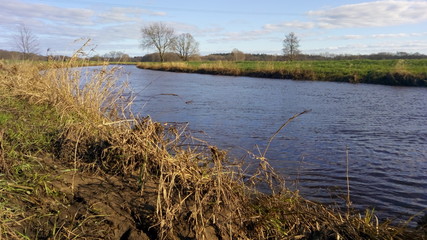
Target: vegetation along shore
[[75, 163], [396, 72]]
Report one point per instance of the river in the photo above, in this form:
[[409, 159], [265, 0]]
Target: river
[[383, 129]]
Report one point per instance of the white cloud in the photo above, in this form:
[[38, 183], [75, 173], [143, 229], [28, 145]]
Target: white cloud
[[372, 14], [120, 14], [16, 10], [399, 35], [325, 38], [13, 12], [241, 36], [119, 31], [264, 32], [352, 36], [376, 36], [60, 26], [365, 48], [390, 35], [292, 25]]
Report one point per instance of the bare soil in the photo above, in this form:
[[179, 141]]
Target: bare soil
[[86, 206]]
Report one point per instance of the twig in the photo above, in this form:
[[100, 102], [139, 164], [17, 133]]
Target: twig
[[348, 181], [75, 160], [281, 127], [3, 165]]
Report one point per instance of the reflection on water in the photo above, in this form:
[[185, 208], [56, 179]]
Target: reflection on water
[[384, 129]]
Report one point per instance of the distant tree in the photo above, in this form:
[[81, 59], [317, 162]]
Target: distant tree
[[154, 57], [237, 55], [214, 57], [96, 58], [186, 46], [290, 46], [125, 57], [26, 41], [117, 56], [150, 57], [158, 36]]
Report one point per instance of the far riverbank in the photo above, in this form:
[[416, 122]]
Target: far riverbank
[[410, 72]]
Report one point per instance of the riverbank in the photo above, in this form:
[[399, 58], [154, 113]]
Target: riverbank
[[387, 72], [71, 166]]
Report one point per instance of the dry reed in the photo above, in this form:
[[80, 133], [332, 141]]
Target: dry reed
[[199, 191]]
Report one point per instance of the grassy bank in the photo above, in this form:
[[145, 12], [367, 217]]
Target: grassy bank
[[123, 63], [75, 163], [387, 72]]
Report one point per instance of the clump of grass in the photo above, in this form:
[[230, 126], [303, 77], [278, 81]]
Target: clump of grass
[[199, 193]]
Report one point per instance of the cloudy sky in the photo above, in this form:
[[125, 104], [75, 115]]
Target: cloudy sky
[[252, 26]]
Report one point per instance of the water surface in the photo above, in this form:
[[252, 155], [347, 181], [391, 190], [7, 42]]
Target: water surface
[[383, 129]]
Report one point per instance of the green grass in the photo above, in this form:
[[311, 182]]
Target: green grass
[[26, 134], [18, 118], [388, 72]]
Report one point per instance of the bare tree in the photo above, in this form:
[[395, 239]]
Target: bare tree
[[117, 56], [290, 46], [238, 55], [26, 41], [186, 46], [158, 36]]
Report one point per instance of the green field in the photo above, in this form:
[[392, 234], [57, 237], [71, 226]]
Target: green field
[[411, 72]]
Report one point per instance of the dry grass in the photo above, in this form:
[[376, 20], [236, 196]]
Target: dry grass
[[200, 194], [221, 68]]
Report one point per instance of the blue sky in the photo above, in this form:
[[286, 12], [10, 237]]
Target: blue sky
[[338, 27]]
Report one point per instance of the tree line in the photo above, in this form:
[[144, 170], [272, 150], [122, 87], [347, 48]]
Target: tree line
[[161, 37], [171, 57]]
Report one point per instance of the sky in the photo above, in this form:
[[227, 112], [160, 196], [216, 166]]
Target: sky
[[251, 26]]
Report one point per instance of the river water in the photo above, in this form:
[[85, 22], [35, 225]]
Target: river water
[[382, 128]]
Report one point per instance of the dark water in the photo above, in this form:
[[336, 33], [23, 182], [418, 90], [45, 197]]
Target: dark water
[[384, 129]]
